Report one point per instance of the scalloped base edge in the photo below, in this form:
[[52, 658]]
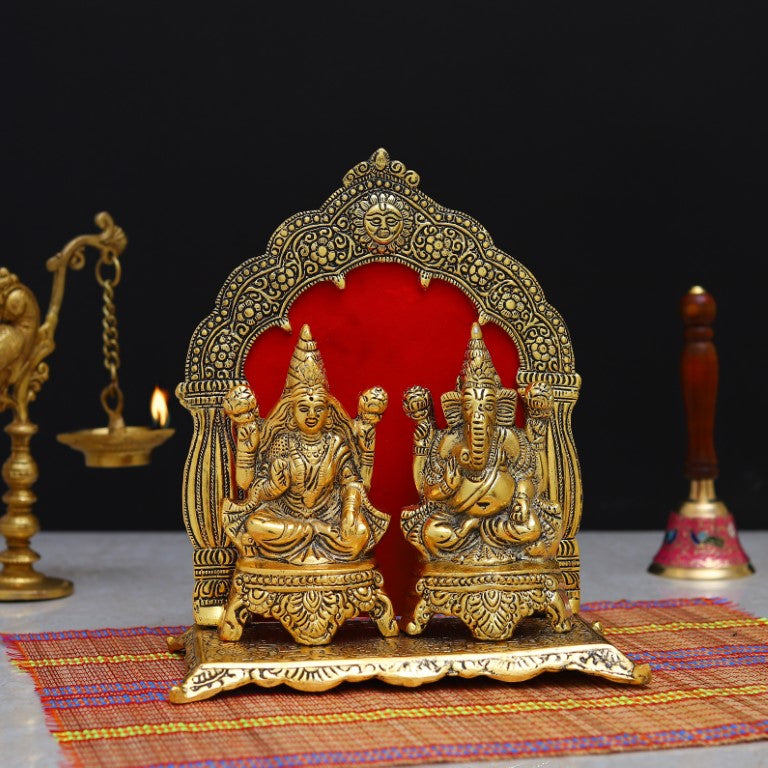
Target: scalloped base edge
[[267, 659]]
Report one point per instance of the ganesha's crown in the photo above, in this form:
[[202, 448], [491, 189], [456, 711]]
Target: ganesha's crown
[[478, 370], [306, 371]]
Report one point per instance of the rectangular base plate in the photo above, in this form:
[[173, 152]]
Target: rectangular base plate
[[266, 656]]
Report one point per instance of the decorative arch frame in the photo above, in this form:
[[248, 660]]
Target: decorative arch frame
[[324, 245]]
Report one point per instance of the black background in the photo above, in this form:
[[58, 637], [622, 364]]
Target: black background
[[616, 149]]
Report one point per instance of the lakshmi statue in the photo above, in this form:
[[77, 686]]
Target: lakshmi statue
[[303, 526], [486, 529]]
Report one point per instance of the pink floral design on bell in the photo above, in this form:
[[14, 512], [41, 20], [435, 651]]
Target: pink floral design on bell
[[701, 541]]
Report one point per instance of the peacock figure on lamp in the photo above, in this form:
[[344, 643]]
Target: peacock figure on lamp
[[304, 529], [486, 530]]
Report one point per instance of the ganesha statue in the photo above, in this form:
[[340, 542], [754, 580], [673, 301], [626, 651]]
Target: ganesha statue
[[302, 524], [486, 529]]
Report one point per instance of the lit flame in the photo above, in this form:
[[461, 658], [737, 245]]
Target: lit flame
[[159, 407]]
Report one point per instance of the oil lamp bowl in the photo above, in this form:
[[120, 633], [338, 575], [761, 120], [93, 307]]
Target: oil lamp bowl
[[121, 447]]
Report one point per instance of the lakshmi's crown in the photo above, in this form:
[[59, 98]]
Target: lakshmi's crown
[[306, 371]]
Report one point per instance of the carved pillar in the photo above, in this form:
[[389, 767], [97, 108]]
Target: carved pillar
[[207, 480], [564, 471]]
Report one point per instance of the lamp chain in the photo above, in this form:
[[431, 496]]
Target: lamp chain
[[111, 395]]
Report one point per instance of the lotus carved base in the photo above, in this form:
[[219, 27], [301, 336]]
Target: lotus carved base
[[311, 604], [491, 602]]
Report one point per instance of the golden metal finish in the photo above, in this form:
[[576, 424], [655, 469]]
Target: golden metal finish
[[703, 508], [485, 528], [323, 245], [702, 574], [304, 528], [24, 345], [702, 501], [115, 445], [276, 535], [358, 653]]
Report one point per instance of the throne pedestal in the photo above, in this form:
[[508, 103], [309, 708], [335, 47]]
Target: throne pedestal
[[311, 603], [490, 601]]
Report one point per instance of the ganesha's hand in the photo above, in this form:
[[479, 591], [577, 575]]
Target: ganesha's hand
[[350, 521], [520, 509], [452, 474], [372, 404], [417, 403]]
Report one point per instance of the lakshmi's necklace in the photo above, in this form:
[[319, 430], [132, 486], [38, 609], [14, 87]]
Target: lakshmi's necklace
[[312, 450]]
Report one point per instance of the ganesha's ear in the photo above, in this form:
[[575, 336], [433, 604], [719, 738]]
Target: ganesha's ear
[[506, 407], [451, 403]]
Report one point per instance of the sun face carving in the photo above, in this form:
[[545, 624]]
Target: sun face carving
[[382, 223]]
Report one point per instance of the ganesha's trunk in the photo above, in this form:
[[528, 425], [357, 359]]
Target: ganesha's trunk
[[475, 455]]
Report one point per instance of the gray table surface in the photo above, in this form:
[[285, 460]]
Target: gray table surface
[[152, 574]]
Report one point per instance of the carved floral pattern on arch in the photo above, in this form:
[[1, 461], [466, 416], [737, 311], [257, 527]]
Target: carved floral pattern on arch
[[324, 249], [249, 308], [259, 293], [379, 213], [510, 302], [445, 247], [542, 346]]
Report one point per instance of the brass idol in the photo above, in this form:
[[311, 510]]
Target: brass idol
[[305, 531], [277, 508], [486, 530]]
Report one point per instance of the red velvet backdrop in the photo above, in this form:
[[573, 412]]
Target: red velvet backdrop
[[383, 329]]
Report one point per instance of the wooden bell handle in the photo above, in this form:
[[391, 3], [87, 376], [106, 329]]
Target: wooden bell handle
[[699, 372]]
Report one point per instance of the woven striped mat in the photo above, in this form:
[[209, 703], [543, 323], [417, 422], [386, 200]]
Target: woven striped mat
[[104, 693]]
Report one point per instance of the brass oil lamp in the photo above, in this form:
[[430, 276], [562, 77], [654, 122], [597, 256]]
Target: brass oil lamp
[[115, 445], [25, 342]]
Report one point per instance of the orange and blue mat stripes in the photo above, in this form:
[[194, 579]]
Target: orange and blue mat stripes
[[104, 693], [120, 694]]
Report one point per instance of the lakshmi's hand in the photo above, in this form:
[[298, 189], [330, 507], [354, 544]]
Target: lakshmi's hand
[[372, 404], [241, 405], [280, 474]]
